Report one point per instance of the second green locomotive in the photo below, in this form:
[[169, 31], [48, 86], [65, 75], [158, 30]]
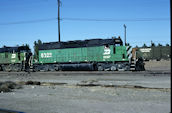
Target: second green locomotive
[[15, 58]]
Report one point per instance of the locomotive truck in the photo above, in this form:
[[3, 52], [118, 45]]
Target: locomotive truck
[[92, 54]]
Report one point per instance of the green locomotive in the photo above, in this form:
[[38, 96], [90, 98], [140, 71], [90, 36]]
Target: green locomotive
[[15, 58], [93, 54]]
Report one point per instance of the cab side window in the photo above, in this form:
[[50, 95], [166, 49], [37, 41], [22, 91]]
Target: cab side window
[[19, 55], [114, 50], [6, 55], [123, 56]]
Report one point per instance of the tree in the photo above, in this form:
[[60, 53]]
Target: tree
[[144, 45], [39, 42], [136, 46], [27, 45], [167, 45], [152, 44], [36, 44], [159, 44]]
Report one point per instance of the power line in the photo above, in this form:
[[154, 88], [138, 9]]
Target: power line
[[113, 20], [86, 19], [30, 21]]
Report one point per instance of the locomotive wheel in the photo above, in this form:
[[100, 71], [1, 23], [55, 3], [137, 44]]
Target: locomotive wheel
[[56, 68], [120, 67], [14, 68], [35, 69], [100, 68], [52, 69], [127, 68], [7, 68], [46, 68], [19, 68], [0, 68], [113, 68]]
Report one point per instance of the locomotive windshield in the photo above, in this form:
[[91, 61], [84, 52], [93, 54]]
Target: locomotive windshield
[[118, 41], [26, 51]]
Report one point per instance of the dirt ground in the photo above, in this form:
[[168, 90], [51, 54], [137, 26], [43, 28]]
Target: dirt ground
[[158, 65], [90, 92]]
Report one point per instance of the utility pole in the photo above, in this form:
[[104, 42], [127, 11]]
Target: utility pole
[[125, 34], [59, 18]]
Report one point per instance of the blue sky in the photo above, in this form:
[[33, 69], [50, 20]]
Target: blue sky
[[138, 32]]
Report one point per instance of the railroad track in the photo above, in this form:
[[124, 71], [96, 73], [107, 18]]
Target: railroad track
[[157, 72]]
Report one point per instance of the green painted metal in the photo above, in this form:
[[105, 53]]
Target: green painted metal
[[11, 58], [84, 54], [160, 52]]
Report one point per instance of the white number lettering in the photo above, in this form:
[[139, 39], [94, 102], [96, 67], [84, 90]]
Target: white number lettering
[[46, 55], [13, 56]]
